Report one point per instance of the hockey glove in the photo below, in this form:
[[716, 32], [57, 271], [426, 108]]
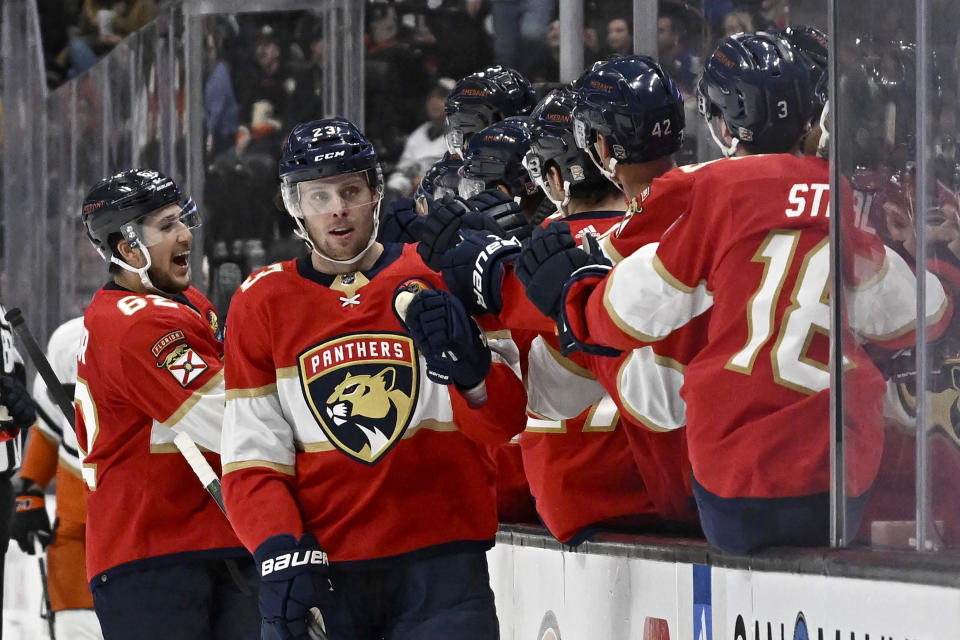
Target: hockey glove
[[441, 229], [548, 260], [30, 520], [473, 270], [17, 410], [400, 222], [450, 340], [294, 578], [502, 209]]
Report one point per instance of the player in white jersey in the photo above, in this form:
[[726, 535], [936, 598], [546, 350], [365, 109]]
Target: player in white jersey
[[52, 452]]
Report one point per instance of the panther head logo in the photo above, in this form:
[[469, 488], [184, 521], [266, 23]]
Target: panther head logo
[[364, 410], [362, 389]]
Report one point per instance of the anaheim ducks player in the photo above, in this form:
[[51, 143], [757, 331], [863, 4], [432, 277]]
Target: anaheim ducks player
[[52, 451], [339, 445], [158, 547]]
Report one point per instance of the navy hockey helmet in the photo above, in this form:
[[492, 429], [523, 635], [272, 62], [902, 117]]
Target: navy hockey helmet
[[322, 149], [325, 149], [634, 104], [117, 205], [494, 156], [760, 87], [441, 179], [813, 45], [552, 143], [485, 97]]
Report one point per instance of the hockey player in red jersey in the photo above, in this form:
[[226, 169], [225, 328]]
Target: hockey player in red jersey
[[149, 367], [361, 483], [637, 110], [752, 228], [625, 476]]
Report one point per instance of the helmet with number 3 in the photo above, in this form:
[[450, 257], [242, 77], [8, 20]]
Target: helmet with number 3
[[759, 86]]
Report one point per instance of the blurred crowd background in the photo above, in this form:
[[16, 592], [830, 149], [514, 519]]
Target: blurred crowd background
[[263, 71]]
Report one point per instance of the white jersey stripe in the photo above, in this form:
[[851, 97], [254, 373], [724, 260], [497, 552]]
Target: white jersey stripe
[[648, 303], [649, 387]]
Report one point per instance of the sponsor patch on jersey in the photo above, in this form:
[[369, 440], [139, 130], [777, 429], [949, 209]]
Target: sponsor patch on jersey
[[214, 321], [184, 364], [362, 389], [166, 341]]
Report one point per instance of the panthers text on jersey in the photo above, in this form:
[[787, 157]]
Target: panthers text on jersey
[[148, 367], [332, 426], [752, 247]]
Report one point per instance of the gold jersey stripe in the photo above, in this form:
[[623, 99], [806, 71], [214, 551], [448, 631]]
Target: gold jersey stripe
[[673, 281], [429, 425], [259, 392], [286, 469], [567, 363], [172, 448], [194, 398]]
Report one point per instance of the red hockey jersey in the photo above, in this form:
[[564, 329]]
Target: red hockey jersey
[[149, 367], [333, 427], [751, 246], [588, 454]]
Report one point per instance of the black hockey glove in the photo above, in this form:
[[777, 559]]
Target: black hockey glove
[[30, 520], [400, 222], [547, 261], [294, 580], [453, 345], [502, 209], [17, 410], [473, 270], [441, 229]]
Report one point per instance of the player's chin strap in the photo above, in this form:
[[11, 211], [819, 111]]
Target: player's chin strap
[[560, 204], [609, 174], [301, 233], [134, 241], [726, 149]]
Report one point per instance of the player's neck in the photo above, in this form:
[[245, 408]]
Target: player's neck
[[130, 281], [613, 202], [363, 264], [634, 178]]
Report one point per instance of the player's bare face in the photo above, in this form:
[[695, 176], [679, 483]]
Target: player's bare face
[[169, 241], [338, 213]]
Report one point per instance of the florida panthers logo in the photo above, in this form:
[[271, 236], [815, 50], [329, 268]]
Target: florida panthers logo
[[362, 389]]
